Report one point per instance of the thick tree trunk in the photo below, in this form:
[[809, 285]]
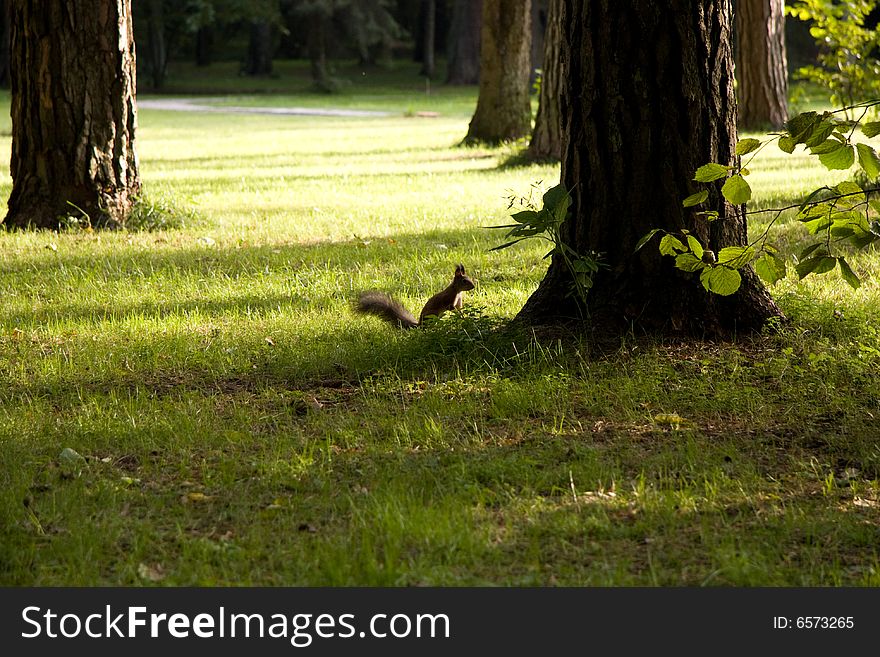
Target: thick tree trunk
[[73, 112], [429, 24], [504, 110], [259, 55], [463, 54], [761, 67], [648, 97], [546, 143]]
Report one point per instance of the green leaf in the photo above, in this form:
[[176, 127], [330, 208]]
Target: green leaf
[[810, 249], [711, 215], [871, 129], [798, 126], [736, 257], [770, 268], [721, 280], [695, 246], [646, 239], [868, 160], [816, 265], [710, 172], [689, 262], [504, 246], [819, 133], [525, 216], [747, 145], [840, 158], [695, 199], [787, 144], [848, 274], [737, 190], [671, 245]]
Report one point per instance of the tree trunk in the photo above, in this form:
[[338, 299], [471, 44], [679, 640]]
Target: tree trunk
[[4, 45], [546, 143], [539, 27], [204, 45], [504, 111], [429, 25], [761, 68], [647, 98], [73, 112], [318, 51], [259, 57], [463, 58], [156, 39]]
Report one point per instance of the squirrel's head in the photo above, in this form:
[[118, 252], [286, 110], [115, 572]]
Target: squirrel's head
[[461, 280]]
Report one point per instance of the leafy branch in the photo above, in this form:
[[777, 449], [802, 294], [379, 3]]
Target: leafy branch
[[833, 214]]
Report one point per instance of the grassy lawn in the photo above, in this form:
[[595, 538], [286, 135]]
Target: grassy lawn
[[239, 425]]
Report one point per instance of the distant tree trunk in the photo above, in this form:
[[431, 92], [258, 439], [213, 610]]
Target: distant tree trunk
[[647, 97], [204, 45], [259, 55], [546, 143], [4, 44], [504, 110], [429, 24], [761, 67], [318, 50], [463, 55], [156, 40], [73, 112], [539, 25]]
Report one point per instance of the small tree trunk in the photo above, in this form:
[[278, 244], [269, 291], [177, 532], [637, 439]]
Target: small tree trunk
[[156, 39], [318, 51], [73, 112], [647, 98], [429, 23], [463, 58], [259, 57], [4, 44], [539, 28], [546, 143], [204, 46], [504, 111], [761, 67]]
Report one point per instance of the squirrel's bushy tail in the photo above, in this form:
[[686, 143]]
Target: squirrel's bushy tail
[[383, 306]]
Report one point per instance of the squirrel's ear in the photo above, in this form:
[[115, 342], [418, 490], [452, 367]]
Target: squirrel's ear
[[459, 270]]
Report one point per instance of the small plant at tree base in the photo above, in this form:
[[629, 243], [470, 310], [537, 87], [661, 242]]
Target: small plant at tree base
[[545, 223], [833, 214]]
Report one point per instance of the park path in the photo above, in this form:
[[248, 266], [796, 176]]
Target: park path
[[206, 105]]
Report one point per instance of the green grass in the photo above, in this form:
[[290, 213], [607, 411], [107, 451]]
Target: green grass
[[241, 426]]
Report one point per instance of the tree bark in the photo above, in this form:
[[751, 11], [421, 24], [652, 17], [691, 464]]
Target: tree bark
[[647, 98], [504, 110], [429, 24], [463, 53], [73, 112], [259, 56], [4, 45], [761, 67], [546, 142]]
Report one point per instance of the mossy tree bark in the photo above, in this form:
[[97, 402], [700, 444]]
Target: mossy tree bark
[[503, 108], [647, 98], [546, 142], [73, 112], [761, 67]]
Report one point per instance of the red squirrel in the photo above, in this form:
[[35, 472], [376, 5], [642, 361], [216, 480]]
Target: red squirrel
[[392, 311]]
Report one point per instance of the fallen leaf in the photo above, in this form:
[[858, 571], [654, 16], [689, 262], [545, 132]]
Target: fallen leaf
[[153, 573]]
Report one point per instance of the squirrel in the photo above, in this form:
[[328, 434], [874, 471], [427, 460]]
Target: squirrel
[[392, 311]]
